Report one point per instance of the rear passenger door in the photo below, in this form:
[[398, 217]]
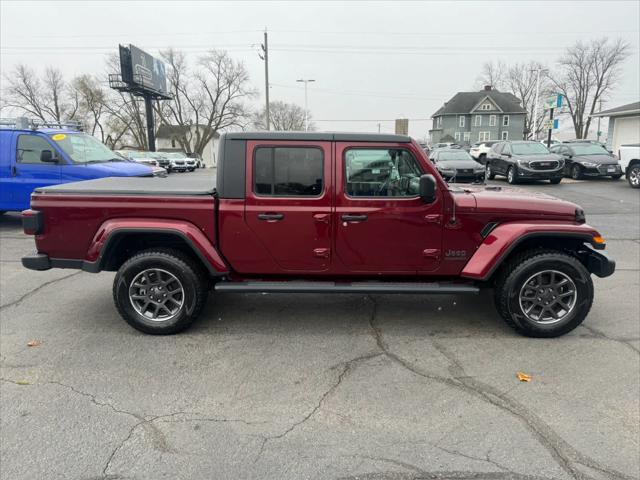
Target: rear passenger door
[[288, 202]]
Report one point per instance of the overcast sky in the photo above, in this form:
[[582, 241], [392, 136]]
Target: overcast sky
[[372, 61]]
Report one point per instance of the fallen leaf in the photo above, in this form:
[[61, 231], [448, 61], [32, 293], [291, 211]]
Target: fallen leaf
[[523, 377], [34, 343], [23, 382]]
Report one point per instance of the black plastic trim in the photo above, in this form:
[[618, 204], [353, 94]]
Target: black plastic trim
[[37, 261], [33, 222], [232, 159], [487, 229], [319, 136], [345, 287], [599, 263]]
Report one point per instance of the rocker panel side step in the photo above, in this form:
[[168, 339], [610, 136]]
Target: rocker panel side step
[[346, 287]]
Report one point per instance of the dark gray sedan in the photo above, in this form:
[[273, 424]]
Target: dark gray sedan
[[456, 165], [588, 160]]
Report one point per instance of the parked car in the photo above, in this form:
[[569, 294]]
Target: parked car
[[198, 160], [326, 213], [32, 157], [456, 165], [524, 160], [584, 159], [436, 146], [479, 151], [146, 158], [179, 162], [630, 163]]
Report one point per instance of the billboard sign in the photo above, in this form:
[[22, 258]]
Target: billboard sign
[[554, 101], [143, 70]]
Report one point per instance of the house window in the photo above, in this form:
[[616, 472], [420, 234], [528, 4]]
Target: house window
[[486, 106], [505, 135], [173, 142], [467, 136], [484, 136], [288, 171], [457, 136], [492, 120], [505, 121], [478, 121], [461, 121], [439, 122]]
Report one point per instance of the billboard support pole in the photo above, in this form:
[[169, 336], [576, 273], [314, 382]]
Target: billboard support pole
[[151, 138]]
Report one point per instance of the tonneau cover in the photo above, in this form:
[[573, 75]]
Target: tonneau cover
[[175, 184]]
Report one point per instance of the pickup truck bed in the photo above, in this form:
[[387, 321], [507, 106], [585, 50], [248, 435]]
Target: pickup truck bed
[[193, 185]]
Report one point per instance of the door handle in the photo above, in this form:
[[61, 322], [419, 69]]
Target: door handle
[[14, 172], [321, 217], [433, 218], [271, 217], [354, 218]]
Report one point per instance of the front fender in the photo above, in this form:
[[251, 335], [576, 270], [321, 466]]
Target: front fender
[[505, 237], [111, 229]]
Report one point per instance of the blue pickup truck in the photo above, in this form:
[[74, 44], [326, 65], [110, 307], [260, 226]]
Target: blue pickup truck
[[33, 156]]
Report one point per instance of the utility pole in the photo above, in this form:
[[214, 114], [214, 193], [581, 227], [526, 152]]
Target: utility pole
[[265, 57], [306, 109]]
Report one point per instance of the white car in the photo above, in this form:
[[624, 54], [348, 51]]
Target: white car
[[629, 156], [479, 150], [138, 157]]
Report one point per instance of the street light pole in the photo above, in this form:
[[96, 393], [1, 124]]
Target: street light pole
[[535, 108], [306, 109]]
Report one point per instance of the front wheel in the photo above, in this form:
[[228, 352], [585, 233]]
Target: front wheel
[[489, 172], [544, 293], [634, 176], [511, 175], [576, 172], [160, 291]]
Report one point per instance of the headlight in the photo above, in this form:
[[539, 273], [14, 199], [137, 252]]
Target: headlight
[[589, 164], [524, 163], [478, 170]]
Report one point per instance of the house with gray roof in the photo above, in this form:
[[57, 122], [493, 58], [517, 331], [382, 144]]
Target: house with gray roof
[[624, 125], [471, 117]]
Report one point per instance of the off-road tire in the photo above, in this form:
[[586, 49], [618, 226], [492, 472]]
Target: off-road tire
[[512, 175], [515, 273], [191, 276], [489, 171]]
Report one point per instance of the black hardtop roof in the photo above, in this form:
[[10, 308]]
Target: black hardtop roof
[[319, 136]]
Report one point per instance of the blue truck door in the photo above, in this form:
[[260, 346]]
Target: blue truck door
[[6, 162], [28, 172]]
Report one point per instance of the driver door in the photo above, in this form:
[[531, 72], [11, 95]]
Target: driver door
[[381, 224]]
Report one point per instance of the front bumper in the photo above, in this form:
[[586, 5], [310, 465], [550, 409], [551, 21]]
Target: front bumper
[[525, 173], [598, 263], [601, 171]]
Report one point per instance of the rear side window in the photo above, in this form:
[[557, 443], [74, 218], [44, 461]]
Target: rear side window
[[288, 171], [29, 148]]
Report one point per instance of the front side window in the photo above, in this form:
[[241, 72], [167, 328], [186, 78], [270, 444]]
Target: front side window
[[588, 149], [288, 171], [381, 172], [492, 120], [505, 121], [461, 121], [478, 120], [83, 148], [30, 147]]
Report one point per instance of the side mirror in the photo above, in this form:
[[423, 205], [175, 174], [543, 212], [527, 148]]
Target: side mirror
[[428, 188], [507, 154], [46, 156]]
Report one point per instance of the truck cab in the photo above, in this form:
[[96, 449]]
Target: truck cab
[[32, 157]]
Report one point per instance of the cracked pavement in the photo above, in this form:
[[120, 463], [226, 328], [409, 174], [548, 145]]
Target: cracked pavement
[[375, 387]]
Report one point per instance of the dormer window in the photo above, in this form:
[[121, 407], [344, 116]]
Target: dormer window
[[486, 106]]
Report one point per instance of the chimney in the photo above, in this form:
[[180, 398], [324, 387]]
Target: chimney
[[487, 88]]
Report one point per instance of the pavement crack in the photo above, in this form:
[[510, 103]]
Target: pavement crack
[[563, 453], [600, 334], [37, 289]]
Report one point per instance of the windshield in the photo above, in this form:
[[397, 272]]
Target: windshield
[[455, 155], [83, 148], [588, 149], [136, 154], [533, 148], [173, 155]]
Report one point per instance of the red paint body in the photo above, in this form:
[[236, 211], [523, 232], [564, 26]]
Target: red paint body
[[402, 237]]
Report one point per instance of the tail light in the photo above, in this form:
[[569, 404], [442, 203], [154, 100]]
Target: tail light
[[32, 222]]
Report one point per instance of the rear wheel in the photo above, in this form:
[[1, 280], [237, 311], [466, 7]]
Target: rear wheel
[[489, 172], [160, 291], [576, 172], [634, 175], [544, 293], [511, 176]]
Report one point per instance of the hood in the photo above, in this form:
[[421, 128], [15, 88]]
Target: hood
[[457, 164], [601, 159], [512, 200], [121, 169]]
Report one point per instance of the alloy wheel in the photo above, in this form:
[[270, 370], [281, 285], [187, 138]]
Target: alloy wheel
[[634, 176], [547, 297], [156, 294], [575, 172]]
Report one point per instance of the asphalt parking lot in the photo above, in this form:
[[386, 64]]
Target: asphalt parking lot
[[316, 387]]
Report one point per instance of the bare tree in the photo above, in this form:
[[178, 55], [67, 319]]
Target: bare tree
[[207, 98], [47, 98], [493, 74], [586, 73], [283, 116], [91, 100]]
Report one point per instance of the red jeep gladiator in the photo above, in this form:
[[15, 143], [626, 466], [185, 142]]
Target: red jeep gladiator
[[319, 212]]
